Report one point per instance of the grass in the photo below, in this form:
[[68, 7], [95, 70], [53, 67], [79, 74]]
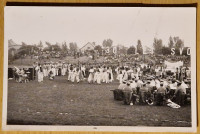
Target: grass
[[60, 102]]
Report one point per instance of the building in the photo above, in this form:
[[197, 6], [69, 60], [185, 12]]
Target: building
[[12, 47], [87, 47], [12, 44]]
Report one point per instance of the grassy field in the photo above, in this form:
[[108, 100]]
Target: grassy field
[[60, 102]]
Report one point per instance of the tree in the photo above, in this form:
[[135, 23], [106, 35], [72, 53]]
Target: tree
[[49, 46], [148, 50], [107, 43], [64, 47], [178, 43], [171, 42], [56, 47], [166, 50], [24, 50], [139, 47], [157, 44], [73, 47], [131, 50], [122, 50], [40, 45], [98, 48]]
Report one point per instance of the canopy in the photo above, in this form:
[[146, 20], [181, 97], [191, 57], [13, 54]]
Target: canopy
[[171, 66]]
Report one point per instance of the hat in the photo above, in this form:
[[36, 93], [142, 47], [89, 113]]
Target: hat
[[178, 82], [131, 81], [124, 82], [128, 83]]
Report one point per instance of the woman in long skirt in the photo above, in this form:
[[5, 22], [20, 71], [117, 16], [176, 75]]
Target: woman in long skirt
[[105, 76], [110, 75], [70, 73], [95, 75], [40, 75], [53, 70], [91, 75], [98, 76], [63, 70]]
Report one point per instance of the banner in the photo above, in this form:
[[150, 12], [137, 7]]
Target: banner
[[171, 66]]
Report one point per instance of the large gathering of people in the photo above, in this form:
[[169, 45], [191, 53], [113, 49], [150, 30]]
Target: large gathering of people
[[138, 83], [154, 87]]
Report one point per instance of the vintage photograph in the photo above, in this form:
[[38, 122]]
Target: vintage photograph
[[99, 68]]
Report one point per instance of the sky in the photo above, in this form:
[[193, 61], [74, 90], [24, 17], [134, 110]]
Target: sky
[[124, 25]]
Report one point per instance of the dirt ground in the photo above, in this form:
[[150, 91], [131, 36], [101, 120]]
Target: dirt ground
[[60, 102]]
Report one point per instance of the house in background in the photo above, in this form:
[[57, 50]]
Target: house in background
[[12, 44], [12, 47], [87, 47]]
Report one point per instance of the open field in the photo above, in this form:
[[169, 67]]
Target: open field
[[60, 102]]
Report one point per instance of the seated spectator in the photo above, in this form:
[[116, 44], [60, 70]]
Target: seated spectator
[[161, 91], [179, 94], [128, 94], [118, 93], [144, 93]]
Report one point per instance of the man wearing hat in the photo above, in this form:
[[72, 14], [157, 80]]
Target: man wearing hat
[[128, 94], [172, 88], [161, 91], [144, 93], [179, 94]]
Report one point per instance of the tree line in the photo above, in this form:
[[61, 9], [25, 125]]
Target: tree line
[[72, 48]]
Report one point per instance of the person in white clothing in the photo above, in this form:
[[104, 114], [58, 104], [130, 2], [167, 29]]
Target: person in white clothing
[[98, 77], [53, 70], [95, 75], [101, 73], [76, 74], [91, 75], [70, 72], [63, 69], [40, 74], [120, 77], [110, 75]]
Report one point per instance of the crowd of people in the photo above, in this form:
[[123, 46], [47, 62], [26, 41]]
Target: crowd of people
[[154, 87], [74, 73], [138, 83]]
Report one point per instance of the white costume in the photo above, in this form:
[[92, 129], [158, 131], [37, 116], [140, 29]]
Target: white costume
[[98, 76], [91, 75], [105, 76], [70, 73], [75, 76], [40, 74], [95, 77]]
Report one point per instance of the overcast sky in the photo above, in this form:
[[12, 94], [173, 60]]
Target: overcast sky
[[124, 25]]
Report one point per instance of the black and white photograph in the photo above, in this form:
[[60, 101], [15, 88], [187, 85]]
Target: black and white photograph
[[84, 68]]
